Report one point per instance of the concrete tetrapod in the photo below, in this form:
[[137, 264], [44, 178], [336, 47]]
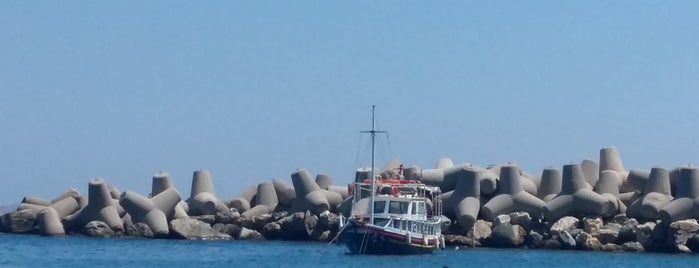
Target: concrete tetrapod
[[308, 195], [590, 170], [141, 209], [162, 183], [464, 202], [100, 207], [285, 193], [609, 159], [324, 181], [656, 195], [203, 200], [512, 196], [266, 200], [686, 202], [608, 187], [444, 178], [242, 202], [49, 222], [638, 178], [575, 197], [170, 203], [550, 184]]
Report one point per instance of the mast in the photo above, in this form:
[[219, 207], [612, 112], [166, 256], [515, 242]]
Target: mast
[[372, 132]]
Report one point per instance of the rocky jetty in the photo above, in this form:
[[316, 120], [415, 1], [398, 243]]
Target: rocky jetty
[[594, 205]]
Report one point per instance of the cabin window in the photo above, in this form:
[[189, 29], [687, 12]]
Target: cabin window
[[380, 206], [397, 207], [414, 208], [380, 221], [421, 208]]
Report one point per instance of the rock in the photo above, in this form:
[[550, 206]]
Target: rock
[[632, 247], [277, 215], [619, 218], [521, 218], [592, 225], [501, 219], [611, 247], [226, 217], [188, 228], [19, 222], [644, 234], [586, 241], [683, 249], [680, 231], [256, 222], [609, 233], [98, 229], [627, 233], [272, 231], [567, 224], [460, 240], [227, 228], [567, 241], [534, 240], [210, 219], [507, 235], [481, 230], [139, 229], [552, 244], [576, 232], [320, 235], [328, 221], [693, 243], [248, 234]]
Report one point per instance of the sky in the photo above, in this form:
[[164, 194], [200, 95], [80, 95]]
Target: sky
[[254, 90]]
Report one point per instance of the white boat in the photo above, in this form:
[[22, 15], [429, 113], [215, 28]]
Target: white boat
[[392, 215]]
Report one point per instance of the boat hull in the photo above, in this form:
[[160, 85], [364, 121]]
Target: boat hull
[[362, 239]]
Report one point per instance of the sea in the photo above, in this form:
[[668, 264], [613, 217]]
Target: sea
[[72, 251]]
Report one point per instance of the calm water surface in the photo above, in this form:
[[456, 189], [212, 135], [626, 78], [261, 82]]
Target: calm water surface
[[36, 251]]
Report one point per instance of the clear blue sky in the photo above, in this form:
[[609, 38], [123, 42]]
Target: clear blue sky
[[254, 90]]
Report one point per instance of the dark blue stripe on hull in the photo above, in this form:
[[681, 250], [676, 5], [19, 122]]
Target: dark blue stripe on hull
[[375, 243]]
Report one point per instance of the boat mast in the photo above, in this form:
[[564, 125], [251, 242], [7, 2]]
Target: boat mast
[[373, 132]]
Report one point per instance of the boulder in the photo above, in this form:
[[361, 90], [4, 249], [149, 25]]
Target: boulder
[[297, 226], [194, 229], [683, 249], [534, 240], [501, 219], [256, 222], [460, 240], [272, 231], [644, 234], [611, 247], [586, 241], [633, 247], [210, 219], [552, 243], [506, 235], [693, 243], [138, 229], [564, 224], [521, 218], [609, 233], [680, 231], [19, 222], [627, 233], [481, 230], [98, 229], [592, 225], [567, 240], [227, 228], [226, 217], [248, 234]]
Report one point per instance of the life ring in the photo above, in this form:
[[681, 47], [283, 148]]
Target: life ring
[[395, 191]]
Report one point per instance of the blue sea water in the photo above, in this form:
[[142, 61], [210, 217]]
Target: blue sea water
[[36, 251]]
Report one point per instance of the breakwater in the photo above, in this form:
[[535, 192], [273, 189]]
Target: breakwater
[[591, 205]]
